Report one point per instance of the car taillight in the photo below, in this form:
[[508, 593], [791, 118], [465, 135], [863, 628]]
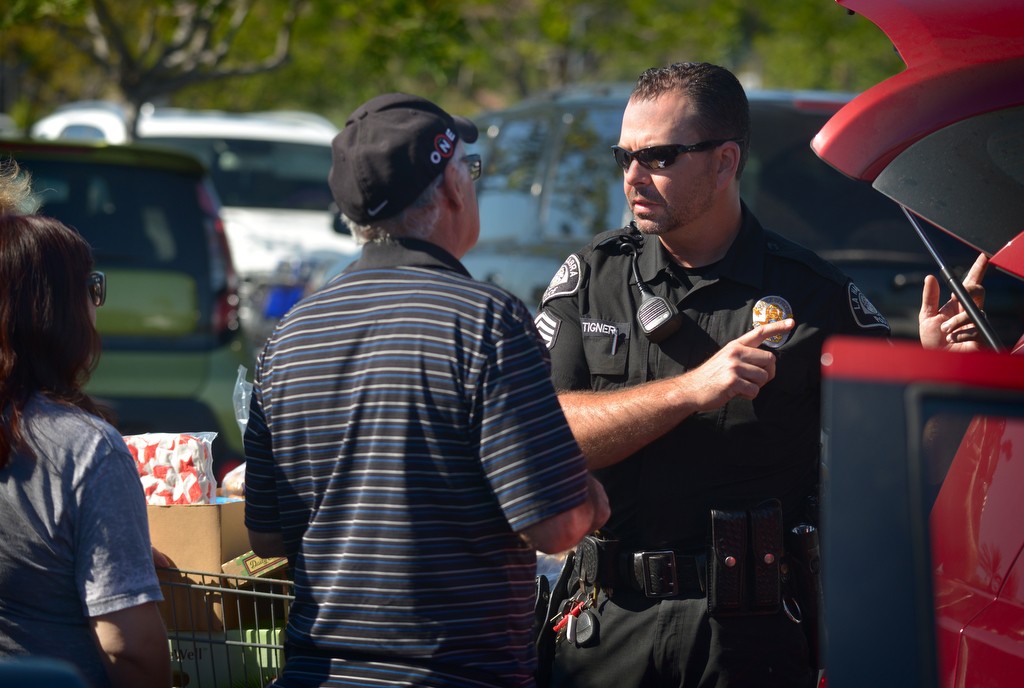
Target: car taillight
[[223, 278], [225, 314]]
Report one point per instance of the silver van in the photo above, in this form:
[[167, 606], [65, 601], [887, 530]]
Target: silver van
[[550, 183]]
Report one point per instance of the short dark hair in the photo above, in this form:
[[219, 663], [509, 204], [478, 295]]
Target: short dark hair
[[48, 343], [715, 93]]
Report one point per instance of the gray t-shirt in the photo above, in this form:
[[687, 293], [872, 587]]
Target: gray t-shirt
[[75, 540]]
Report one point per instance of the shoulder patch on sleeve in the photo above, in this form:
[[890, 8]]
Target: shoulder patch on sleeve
[[864, 312], [547, 326], [566, 281]]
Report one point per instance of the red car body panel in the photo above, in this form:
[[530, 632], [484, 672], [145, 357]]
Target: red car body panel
[[913, 364], [976, 553], [963, 58], [977, 520]]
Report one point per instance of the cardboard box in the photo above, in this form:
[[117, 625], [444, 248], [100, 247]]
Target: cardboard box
[[198, 538], [250, 564], [233, 659]]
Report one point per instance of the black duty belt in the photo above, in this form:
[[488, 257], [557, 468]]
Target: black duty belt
[[656, 573], [665, 573]]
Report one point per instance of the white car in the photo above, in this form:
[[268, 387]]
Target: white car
[[270, 171]]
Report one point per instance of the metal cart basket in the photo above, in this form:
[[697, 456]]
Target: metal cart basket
[[224, 631]]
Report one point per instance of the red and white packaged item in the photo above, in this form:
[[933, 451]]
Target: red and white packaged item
[[175, 468]]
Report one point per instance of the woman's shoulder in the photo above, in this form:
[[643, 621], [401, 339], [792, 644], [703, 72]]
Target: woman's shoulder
[[61, 432]]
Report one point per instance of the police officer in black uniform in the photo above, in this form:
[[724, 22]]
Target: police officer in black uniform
[[697, 403]]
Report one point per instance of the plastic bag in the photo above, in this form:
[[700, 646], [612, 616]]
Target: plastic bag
[[243, 391]]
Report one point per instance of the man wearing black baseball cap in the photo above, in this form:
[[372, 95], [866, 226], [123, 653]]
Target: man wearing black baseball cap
[[405, 447]]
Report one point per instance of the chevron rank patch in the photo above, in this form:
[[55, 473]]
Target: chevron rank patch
[[566, 281], [547, 325]]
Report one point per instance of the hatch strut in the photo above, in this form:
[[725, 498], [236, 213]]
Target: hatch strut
[[975, 313]]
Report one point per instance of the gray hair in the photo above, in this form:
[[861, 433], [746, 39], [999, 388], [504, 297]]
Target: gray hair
[[16, 196], [418, 221]]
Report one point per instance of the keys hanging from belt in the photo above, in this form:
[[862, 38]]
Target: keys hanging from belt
[[575, 622]]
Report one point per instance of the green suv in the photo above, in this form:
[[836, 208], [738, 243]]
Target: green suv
[[172, 343]]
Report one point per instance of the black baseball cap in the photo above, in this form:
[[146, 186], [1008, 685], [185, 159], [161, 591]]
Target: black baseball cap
[[390, 150]]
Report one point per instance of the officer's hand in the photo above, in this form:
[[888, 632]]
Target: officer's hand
[[950, 327], [738, 369]]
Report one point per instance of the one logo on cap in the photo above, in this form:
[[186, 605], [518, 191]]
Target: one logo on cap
[[771, 309], [444, 146]]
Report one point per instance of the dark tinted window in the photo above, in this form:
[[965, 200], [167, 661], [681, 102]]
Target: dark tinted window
[[798, 195], [795, 193], [134, 217], [262, 174]]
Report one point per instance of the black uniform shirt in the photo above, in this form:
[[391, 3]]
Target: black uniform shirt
[[733, 457]]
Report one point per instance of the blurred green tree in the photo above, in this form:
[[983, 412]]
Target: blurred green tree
[[151, 49], [328, 56]]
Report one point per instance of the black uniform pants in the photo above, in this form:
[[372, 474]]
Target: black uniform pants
[[674, 643]]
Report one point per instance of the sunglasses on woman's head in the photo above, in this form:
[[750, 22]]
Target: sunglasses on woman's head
[[660, 157]]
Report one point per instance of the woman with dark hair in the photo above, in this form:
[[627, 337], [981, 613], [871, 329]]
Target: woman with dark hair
[[77, 579]]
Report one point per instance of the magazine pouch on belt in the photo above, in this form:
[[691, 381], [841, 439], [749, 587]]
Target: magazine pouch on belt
[[766, 543], [743, 562], [727, 560]]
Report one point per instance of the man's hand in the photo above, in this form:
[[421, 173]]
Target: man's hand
[[563, 531], [950, 328], [738, 369]]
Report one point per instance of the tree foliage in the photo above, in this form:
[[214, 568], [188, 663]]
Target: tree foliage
[[329, 55], [151, 49]]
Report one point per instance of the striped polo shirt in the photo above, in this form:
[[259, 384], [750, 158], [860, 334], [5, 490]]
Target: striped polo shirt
[[403, 426]]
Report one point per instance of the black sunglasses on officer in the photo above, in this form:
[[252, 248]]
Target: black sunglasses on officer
[[660, 157]]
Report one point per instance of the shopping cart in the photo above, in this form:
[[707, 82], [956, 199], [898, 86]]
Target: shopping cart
[[224, 631]]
